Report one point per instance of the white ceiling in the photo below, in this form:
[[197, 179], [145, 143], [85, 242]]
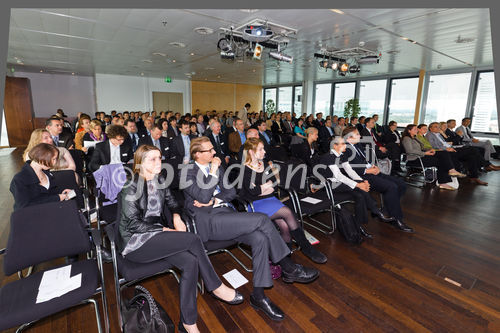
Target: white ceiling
[[122, 41]]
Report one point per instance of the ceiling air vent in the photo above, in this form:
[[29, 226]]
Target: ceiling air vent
[[204, 30]]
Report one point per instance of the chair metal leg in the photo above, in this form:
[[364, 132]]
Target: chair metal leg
[[97, 314], [23, 326], [233, 256], [28, 273], [103, 289]]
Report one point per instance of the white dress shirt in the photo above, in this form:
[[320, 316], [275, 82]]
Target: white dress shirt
[[115, 153], [339, 177]]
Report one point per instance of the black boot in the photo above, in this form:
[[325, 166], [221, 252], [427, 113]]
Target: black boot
[[306, 247]]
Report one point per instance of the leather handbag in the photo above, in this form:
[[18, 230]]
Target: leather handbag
[[142, 314]]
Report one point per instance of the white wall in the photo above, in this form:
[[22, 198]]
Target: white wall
[[135, 93], [50, 92]]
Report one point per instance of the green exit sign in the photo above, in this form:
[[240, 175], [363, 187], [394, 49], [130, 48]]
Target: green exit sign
[[168, 79]]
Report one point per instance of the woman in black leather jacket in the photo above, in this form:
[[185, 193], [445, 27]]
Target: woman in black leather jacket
[[144, 236]]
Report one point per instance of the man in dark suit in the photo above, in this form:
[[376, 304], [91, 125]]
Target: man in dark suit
[[172, 130], [180, 144], [158, 141], [132, 138], [112, 150], [55, 127], [392, 188], [219, 143], [318, 122], [326, 134], [208, 201], [376, 126], [286, 124], [273, 150]]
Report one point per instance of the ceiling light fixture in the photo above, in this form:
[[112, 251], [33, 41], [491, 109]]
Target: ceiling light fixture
[[204, 30], [334, 65], [191, 54], [159, 54], [148, 61], [41, 70], [338, 11], [177, 44], [173, 60], [344, 67]]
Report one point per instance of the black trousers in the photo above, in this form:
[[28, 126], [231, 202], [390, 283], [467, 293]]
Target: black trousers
[[363, 201], [392, 190], [442, 160], [471, 159], [185, 251], [255, 230]]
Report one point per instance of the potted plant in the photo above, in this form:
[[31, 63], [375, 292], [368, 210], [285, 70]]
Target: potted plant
[[351, 108], [270, 107]]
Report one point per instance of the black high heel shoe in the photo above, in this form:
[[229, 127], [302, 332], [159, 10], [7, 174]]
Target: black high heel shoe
[[238, 298]]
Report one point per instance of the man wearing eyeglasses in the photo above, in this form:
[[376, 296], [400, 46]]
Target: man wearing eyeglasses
[[208, 199]]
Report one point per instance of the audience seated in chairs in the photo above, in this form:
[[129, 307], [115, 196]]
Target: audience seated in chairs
[[469, 139], [95, 133], [470, 157], [132, 138], [325, 135], [237, 138], [392, 188], [208, 201], [348, 185], [299, 129], [145, 236], [32, 185], [179, 145], [172, 130], [262, 196], [391, 150], [112, 150], [439, 159], [340, 126], [64, 159], [219, 143]]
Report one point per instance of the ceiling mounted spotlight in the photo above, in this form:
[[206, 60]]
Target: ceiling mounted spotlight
[[281, 57], [354, 69], [344, 67], [323, 64], [257, 52], [334, 65], [257, 33]]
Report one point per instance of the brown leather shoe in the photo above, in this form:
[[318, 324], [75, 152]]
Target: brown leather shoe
[[478, 181], [492, 167]]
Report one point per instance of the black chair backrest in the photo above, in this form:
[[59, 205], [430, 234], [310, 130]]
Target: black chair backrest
[[78, 157], [293, 174], [44, 232], [65, 179]]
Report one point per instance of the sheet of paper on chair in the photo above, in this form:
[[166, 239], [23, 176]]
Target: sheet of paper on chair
[[235, 278], [313, 240], [56, 283], [311, 200], [55, 276]]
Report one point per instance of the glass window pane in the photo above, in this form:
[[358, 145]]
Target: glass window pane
[[285, 99], [372, 98], [269, 94], [447, 97], [322, 99], [403, 100], [343, 92], [297, 103], [485, 117]]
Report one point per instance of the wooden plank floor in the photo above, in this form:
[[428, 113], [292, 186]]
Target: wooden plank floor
[[389, 284]]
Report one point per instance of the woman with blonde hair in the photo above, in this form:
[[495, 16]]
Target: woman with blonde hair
[[41, 135], [261, 193], [95, 133]]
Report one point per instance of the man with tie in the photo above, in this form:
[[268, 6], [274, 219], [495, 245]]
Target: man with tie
[[209, 202], [392, 188], [469, 139], [172, 130], [180, 144], [376, 127], [55, 128], [157, 140], [219, 143], [237, 138], [391, 150], [288, 125], [133, 138], [318, 122]]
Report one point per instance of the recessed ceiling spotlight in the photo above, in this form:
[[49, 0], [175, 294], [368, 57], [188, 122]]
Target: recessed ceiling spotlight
[[173, 60], [148, 61], [41, 70], [142, 74], [191, 54], [177, 44], [253, 70], [204, 30], [250, 11], [73, 73], [405, 38], [338, 11], [159, 54], [218, 76]]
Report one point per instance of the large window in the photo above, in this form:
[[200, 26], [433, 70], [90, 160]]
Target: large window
[[297, 102], [447, 97], [403, 100], [285, 99], [485, 117], [269, 94], [372, 98], [343, 92], [323, 98]]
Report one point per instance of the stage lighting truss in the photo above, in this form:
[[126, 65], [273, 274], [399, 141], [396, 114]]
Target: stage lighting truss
[[345, 61]]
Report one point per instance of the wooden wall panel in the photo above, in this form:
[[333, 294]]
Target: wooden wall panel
[[18, 108], [224, 96]]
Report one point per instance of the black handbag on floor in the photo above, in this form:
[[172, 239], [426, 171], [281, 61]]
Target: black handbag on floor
[[347, 226], [142, 314]]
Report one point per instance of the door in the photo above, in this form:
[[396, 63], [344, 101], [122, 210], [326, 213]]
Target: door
[[167, 101], [18, 108]]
